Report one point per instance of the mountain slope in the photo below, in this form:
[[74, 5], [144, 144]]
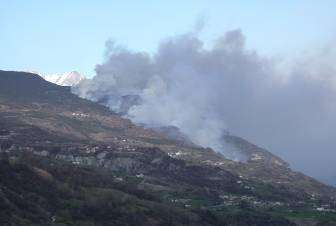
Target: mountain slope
[[44, 126]]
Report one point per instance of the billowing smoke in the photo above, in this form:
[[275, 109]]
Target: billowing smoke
[[207, 91]]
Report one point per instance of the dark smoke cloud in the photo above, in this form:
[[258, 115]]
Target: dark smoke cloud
[[206, 91]]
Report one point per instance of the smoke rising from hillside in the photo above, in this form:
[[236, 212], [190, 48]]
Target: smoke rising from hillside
[[206, 91]]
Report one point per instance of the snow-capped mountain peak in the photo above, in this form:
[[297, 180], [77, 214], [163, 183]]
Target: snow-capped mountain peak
[[66, 79]]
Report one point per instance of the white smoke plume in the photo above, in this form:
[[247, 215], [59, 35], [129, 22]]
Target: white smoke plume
[[206, 91]]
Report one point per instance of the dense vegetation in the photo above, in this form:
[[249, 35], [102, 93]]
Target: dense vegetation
[[39, 191]]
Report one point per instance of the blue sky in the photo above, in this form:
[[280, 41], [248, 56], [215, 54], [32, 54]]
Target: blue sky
[[58, 36]]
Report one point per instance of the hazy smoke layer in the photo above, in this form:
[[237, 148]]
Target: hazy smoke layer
[[205, 91]]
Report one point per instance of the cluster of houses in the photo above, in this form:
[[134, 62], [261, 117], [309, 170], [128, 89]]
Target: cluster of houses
[[235, 200], [80, 115], [175, 154]]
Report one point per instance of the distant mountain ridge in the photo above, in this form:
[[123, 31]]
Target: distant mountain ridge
[[66, 79], [71, 78]]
